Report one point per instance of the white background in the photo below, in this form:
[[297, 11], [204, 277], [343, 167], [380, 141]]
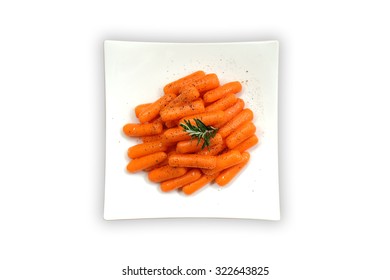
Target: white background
[[333, 125]]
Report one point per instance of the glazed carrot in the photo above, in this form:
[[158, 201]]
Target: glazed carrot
[[145, 162], [223, 103], [193, 160], [165, 173], [248, 143], [228, 174], [162, 163], [208, 82], [242, 133], [186, 95], [152, 111], [170, 155], [170, 124], [157, 120], [224, 161], [176, 134], [175, 86], [175, 183], [138, 109], [194, 107], [192, 146], [219, 92], [144, 149], [198, 184], [147, 129], [158, 137], [244, 116], [231, 112], [208, 118], [214, 150]]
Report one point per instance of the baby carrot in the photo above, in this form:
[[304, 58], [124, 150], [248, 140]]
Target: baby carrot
[[214, 150], [175, 183], [242, 133], [145, 161], [219, 92], [208, 118], [170, 124], [206, 83], [231, 112], [224, 161], [193, 160], [152, 111], [138, 109], [194, 107], [158, 137], [198, 184], [162, 163], [186, 95], [146, 129], [248, 143], [223, 103], [176, 134], [157, 120], [244, 116], [165, 173], [228, 174], [192, 146], [175, 86], [144, 149]]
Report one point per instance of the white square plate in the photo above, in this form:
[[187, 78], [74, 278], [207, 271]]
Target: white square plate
[[136, 72]]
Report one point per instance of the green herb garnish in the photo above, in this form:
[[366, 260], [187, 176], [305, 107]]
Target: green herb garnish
[[200, 131]]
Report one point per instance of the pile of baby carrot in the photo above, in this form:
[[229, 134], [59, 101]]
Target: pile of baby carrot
[[175, 159]]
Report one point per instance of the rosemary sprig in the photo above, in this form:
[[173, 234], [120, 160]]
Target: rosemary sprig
[[200, 131]]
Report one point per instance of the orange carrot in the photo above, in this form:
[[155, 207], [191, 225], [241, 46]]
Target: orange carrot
[[147, 129], [168, 153], [138, 109], [248, 143], [207, 118], [219, 92], [175, 86], [242, 133], [152, 111], [224, 161], [244, 116], [192, 146], [162, 163], [194, 107], [157, 120], [175, 183], [231, 112], [144, 149], [170, 124], [208, 82], [186, 95], [176, 134], [165, 173], [223, 103], [214, 150], [228, 174], [198, 184], [145, 162], [158, 137], [193, 160]]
